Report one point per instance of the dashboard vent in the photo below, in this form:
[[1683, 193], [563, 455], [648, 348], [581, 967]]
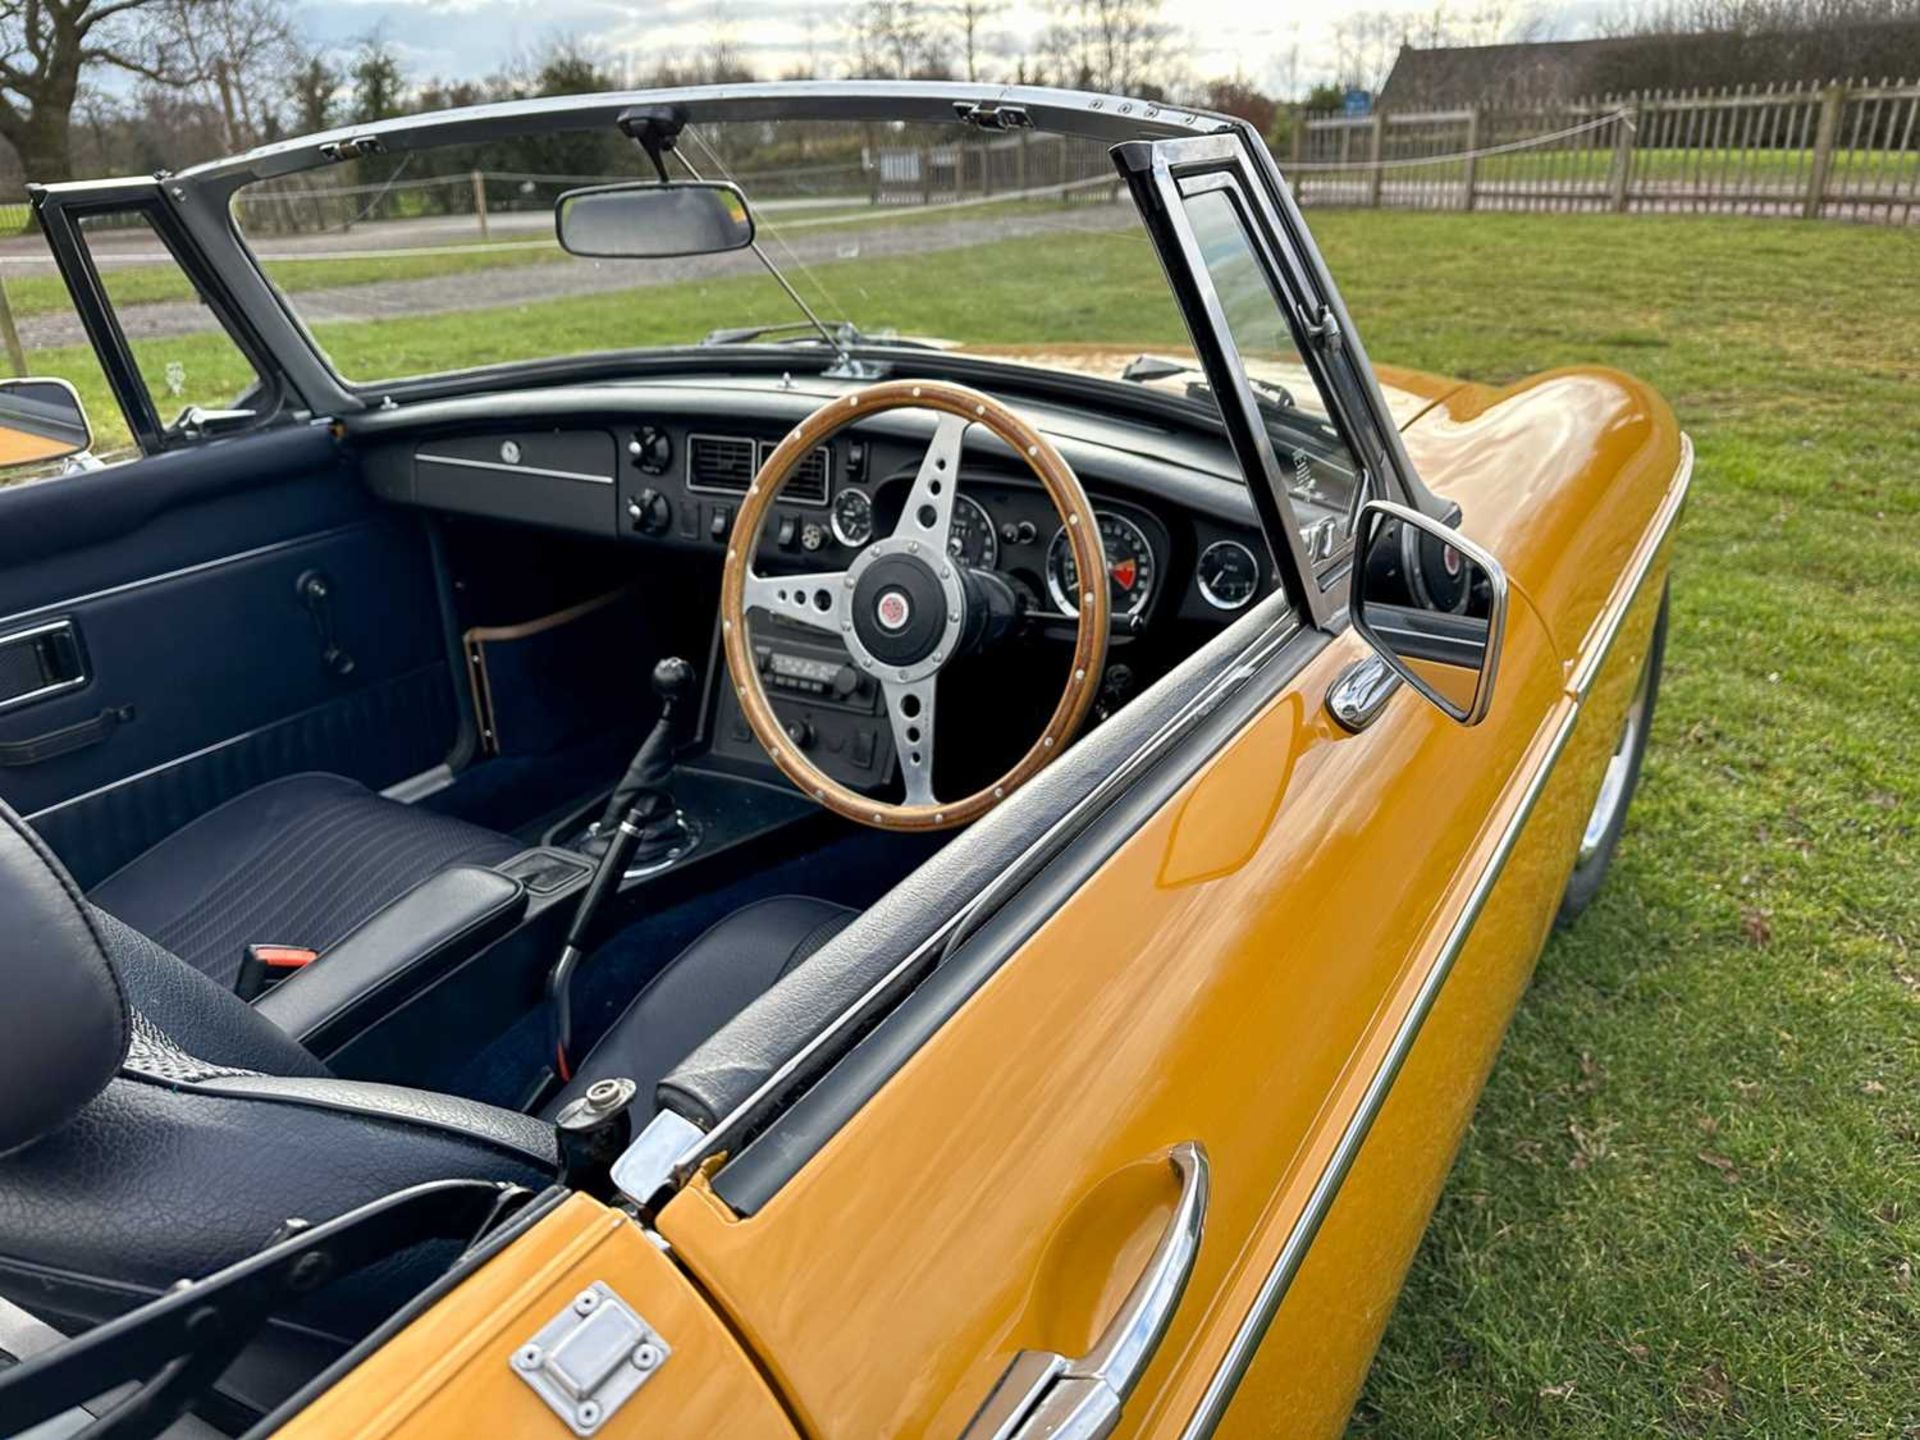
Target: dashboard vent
[[808, 484], [728, 463], [721, 462]]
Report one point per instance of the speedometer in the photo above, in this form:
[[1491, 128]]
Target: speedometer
[[1129, 566]]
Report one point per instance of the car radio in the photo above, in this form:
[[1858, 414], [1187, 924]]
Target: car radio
[[831, 711]]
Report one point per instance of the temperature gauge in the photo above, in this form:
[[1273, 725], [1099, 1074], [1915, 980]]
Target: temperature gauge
[[852, 517], [1228, 575]]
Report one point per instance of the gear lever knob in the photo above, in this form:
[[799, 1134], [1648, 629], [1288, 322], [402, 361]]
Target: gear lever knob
[[673, 679]]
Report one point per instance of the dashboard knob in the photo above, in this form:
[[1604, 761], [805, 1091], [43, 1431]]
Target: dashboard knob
[[812, 537], [846, 680], [651, 450], [800, 733], [650, 512]]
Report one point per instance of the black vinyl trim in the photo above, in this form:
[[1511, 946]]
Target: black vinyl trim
[[774, 1156]]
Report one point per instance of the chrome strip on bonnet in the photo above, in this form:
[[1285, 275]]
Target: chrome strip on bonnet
[[1273, 1290]]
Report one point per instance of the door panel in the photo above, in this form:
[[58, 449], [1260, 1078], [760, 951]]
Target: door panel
[[180, 575], [1221, 979]]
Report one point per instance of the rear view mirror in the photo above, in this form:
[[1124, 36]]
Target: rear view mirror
[[653, 221], [41, 420], [1433, 604]]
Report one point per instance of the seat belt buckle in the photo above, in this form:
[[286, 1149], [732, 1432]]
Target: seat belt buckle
[[267, 965]]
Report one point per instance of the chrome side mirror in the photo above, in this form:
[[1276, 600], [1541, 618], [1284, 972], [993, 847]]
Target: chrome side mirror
[[41, 420], [1432, 604], [653, 221]]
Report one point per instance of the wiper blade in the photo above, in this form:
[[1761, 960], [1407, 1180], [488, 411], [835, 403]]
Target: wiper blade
[[841, 335], [1145, 369]]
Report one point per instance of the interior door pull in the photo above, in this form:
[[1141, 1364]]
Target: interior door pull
[[1048, 1395], [17, 754]]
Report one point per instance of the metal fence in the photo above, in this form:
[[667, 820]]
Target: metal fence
[[1841, 151]]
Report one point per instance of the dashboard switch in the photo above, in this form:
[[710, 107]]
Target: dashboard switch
[[720, 522], [789, 533]]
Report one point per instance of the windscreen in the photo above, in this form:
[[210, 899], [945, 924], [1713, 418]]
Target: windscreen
[[443, 259]]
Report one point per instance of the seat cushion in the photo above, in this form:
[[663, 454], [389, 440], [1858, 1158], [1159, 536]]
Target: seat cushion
[[705, 986], [297, 861]]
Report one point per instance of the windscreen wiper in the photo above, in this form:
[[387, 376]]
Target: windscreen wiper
[[1145, 369]]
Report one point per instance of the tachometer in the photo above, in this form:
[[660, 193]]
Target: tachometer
[[971, 539], [1129, 566]]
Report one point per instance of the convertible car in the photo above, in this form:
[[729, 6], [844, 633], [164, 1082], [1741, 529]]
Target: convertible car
[[837, 767]]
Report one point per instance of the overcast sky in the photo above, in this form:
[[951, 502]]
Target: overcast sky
[[470, 38]]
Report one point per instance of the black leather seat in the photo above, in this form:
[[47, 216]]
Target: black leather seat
[[153, 1126], [298, 861]]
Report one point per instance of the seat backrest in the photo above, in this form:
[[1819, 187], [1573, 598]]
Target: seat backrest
[[65, 1025]]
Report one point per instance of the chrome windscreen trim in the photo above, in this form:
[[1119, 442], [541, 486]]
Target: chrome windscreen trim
[[1293, 1251]]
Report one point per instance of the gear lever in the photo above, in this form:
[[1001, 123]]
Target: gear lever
[[639, 826], [647, 776]]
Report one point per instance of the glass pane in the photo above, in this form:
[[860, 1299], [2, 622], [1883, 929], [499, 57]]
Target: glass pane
[[1024, 245], [1317, 466], [184, 354]]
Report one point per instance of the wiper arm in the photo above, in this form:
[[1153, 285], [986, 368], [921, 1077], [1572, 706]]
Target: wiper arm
[[740, 334], [1145, 369]]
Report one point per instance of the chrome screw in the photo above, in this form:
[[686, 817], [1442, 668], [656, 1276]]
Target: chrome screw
[[586, 1303], [528, 1357], [588, 1414], [647, 1356]]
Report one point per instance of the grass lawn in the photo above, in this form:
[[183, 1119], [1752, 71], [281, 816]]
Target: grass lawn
[[1690, 1203]]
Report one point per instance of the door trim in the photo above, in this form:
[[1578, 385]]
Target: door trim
[[1293, 1251]]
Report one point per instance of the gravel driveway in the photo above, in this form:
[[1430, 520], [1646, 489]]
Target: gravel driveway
[[792, 247]]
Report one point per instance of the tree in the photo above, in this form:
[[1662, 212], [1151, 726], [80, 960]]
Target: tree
[[970, 19], [1123, 47], [313, 85], [238, 57], [44, 45], [378, 80]]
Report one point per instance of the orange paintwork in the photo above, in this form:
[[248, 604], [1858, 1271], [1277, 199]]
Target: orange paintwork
[[447, 1374], [1233, 974]]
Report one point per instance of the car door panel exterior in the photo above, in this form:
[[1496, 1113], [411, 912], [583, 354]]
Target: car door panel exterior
[[1241, 974], [187, 599]]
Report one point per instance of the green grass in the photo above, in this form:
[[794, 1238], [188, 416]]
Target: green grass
[[1690, 1202]]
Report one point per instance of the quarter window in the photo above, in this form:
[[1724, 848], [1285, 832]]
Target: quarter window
[[186, 358]]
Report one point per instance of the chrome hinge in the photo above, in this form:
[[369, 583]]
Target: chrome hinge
[[354, 147], [990, 115], [591, 1358]]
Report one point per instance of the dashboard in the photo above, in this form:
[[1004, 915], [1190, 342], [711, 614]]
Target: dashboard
[[665, 465]]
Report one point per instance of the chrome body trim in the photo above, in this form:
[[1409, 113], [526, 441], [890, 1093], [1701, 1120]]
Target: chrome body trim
[[1293, 1251], [501, 466], [1045, 1394], [56, 687], [127, 587]]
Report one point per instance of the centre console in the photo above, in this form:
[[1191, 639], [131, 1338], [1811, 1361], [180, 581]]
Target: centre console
[[832, 712]]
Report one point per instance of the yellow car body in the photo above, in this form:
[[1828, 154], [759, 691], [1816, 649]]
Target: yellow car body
[[1303, 959]]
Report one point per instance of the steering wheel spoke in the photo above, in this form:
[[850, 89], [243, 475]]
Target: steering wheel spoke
[[910, 709], [818, 600], [928, 514]]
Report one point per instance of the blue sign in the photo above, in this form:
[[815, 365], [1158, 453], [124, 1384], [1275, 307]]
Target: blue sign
[[1357, 103]]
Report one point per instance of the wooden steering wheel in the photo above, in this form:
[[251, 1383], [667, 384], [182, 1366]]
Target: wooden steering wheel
[[903, 607]]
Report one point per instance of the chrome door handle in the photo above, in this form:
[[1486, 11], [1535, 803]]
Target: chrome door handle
[[1044, 1394]]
